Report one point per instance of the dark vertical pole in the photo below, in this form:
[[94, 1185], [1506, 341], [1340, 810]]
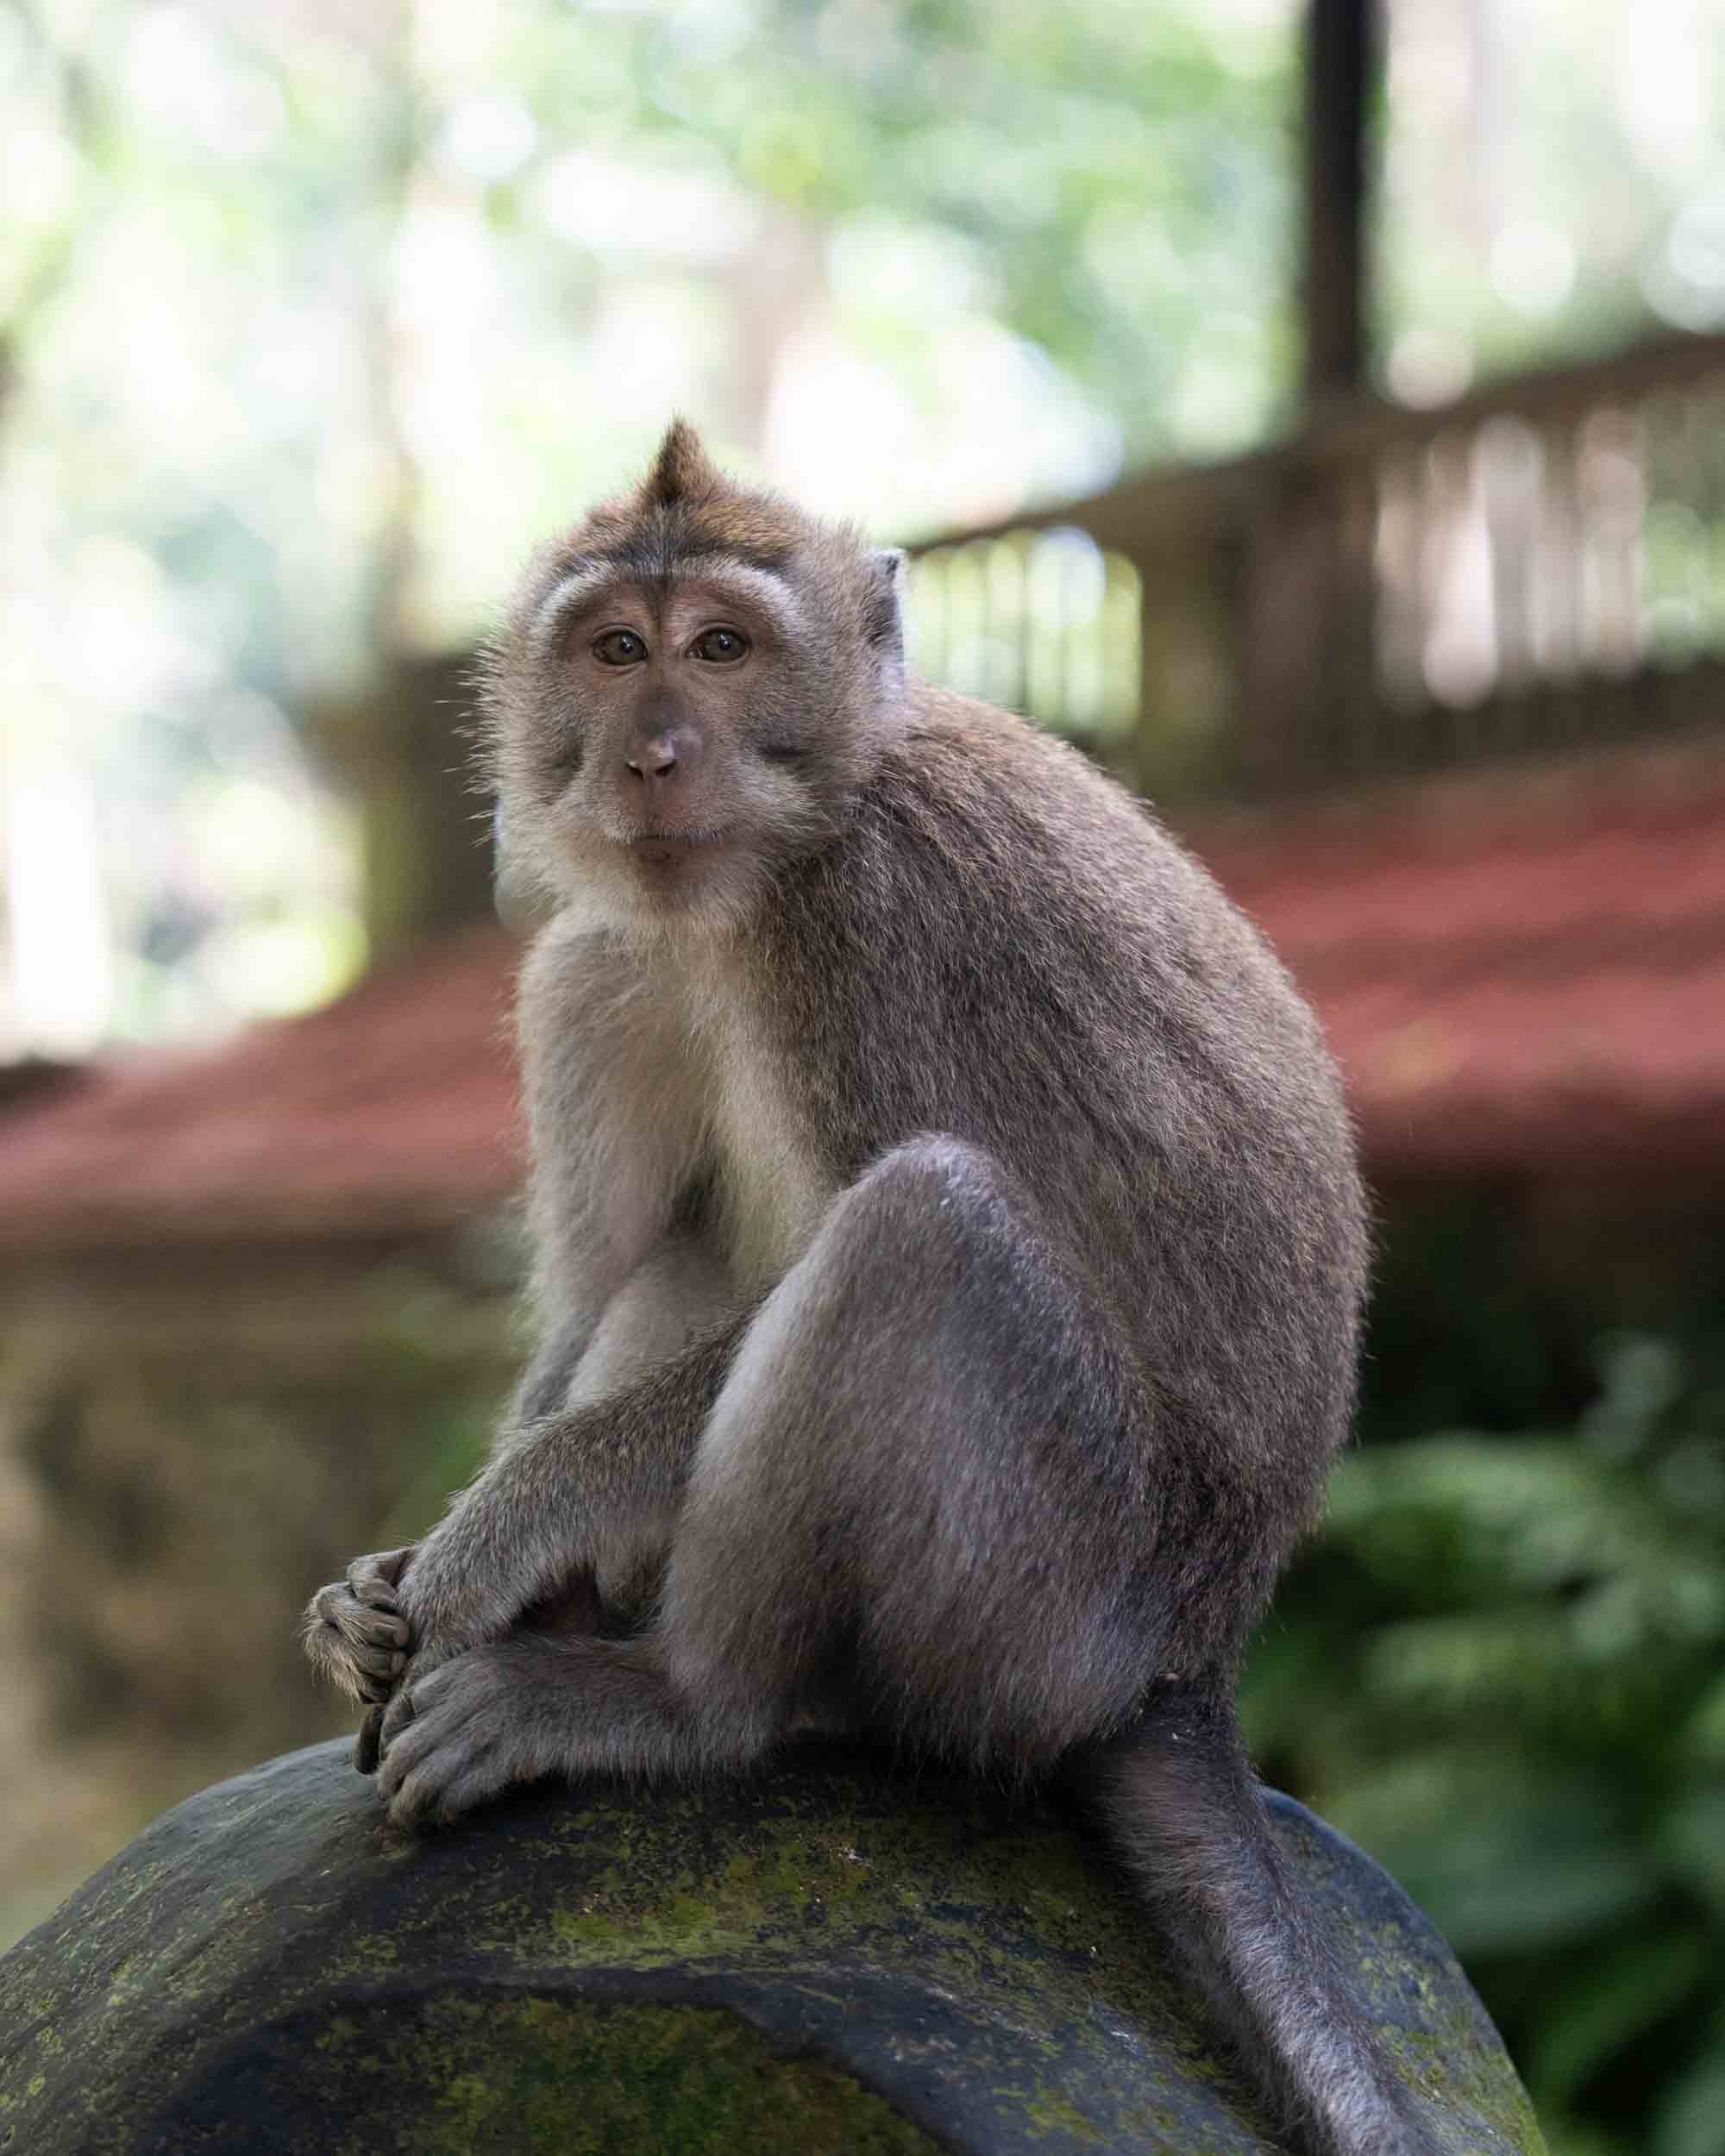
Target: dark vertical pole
[[1341, 48]]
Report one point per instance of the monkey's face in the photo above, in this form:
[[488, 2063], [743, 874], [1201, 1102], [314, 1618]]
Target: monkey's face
[[690, 686], [677, 736]]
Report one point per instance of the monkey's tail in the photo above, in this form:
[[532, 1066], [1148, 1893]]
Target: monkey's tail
[[1184, 1813]]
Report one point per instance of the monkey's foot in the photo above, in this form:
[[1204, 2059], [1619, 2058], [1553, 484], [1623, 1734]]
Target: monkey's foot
[[524, 1707]]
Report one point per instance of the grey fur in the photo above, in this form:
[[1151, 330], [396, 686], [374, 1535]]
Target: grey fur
[[949, 1259]]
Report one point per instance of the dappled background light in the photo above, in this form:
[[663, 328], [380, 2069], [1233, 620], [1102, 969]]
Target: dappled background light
[[316, 318]]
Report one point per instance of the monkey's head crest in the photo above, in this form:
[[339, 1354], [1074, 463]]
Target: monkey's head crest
[[687, 509], [682, 470]]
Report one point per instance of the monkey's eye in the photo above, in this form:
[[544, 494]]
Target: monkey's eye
[[720, 647], [619, 647]]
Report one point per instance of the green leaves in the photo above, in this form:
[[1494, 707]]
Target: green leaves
[[1689, 2120], [1500, 1670], [1612, 2000]]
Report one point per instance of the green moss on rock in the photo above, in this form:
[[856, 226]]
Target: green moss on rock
[[825, 1956], [557, 2077]]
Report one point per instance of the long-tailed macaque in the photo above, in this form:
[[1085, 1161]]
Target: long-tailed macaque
[[949, 1248]]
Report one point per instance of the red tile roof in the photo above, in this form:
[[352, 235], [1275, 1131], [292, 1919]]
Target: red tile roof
[[1527, 978], [1523, 974], [391, 1109]]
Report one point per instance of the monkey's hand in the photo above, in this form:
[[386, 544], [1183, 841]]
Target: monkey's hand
[[356, 1633], [459, 1595]]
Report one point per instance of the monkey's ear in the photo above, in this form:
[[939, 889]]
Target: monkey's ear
[[884, 619], [682, 469]]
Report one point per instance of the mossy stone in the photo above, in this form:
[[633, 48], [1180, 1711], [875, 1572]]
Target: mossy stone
[[828, 1957]]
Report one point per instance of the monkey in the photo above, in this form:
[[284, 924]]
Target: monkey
[[949, 1259]]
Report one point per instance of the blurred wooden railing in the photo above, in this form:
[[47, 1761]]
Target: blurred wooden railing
[[1539, 565]]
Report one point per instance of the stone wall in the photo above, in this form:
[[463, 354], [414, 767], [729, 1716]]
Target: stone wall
[[190, 1444]]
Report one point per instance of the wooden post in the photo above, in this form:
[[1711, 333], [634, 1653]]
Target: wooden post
[[1306, 661], [1341, 58]]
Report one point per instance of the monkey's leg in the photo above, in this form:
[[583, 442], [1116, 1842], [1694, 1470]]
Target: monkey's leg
[[923, 1456], [534, 1703]]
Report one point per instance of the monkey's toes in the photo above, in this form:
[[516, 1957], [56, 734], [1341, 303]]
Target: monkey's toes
[[443, 1788], [449, 1750], [398, 1714], [368, 1745]]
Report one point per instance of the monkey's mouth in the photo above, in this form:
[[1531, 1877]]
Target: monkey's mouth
[[672, 849]]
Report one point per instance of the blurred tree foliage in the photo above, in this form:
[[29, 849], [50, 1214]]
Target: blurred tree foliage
[[315, 319], [312, 318], [1553, 177], [441, 227], [1502, 1668]]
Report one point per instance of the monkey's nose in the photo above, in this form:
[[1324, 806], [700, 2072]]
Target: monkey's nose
[[661, 763], [653, 760]]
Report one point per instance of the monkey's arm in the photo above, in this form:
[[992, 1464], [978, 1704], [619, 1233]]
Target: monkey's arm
[[678, 1299], [355, 1633], [594, 1485]]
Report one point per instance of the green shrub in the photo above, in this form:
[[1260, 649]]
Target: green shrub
[[1503, 1669]]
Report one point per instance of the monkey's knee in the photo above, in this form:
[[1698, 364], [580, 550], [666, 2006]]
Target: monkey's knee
[[928, 1183], [933, 1240]]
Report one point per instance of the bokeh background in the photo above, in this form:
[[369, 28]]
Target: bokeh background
[[1315, 412]]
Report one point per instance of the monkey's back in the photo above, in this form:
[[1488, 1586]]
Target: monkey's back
[[1004, 946]]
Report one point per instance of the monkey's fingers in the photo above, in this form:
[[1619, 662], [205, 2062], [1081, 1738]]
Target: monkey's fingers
[[333, 1661], [361, 1649], [373, 1580], [361, 1624], [368, 1745]]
